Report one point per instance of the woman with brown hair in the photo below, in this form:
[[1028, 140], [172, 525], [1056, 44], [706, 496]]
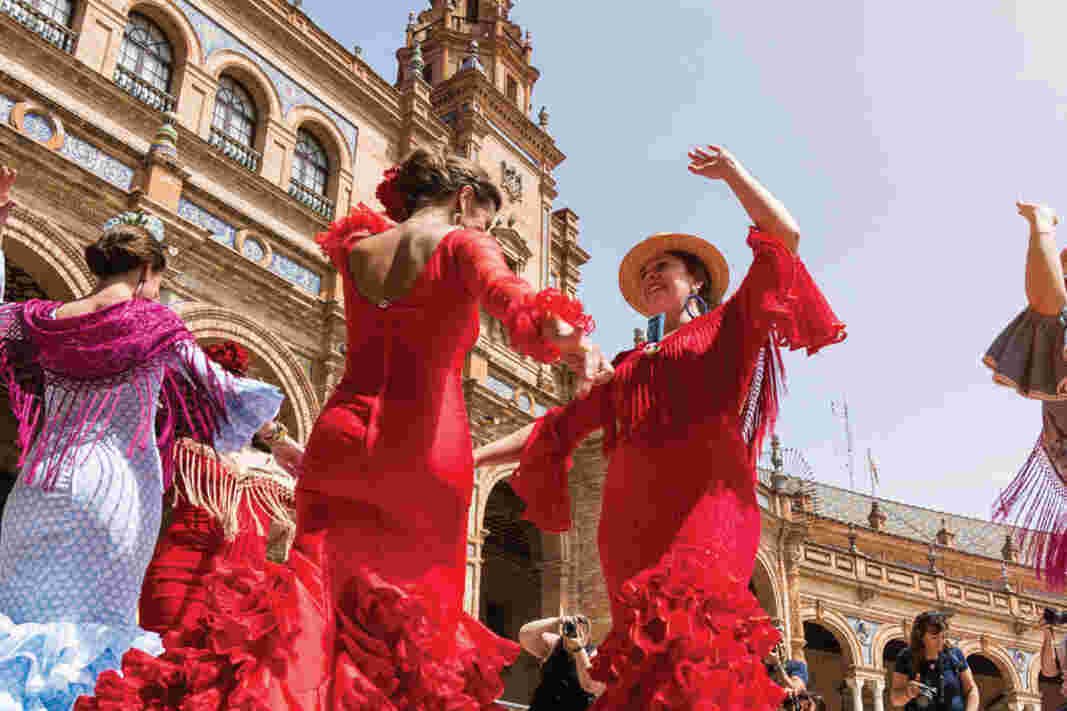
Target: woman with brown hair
[[931, 673], [369, 613], [100, 386]]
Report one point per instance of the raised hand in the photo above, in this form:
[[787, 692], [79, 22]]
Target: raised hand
[[1042, 218], [712, 162], [7, 180]]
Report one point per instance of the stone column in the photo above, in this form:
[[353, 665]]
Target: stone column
[[879, 693], [856, 687]]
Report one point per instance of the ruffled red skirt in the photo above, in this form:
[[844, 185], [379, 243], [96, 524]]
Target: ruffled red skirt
[[319, 633]]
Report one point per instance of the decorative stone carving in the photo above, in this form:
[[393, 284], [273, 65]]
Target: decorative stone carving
[[511, 181]]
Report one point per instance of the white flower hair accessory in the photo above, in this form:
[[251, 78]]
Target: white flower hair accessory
[[138, 220]]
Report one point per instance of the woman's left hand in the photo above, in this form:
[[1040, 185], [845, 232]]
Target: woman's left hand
[[713, 162]]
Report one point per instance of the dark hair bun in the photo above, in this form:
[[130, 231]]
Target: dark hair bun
[[427, 177], [122, 250]]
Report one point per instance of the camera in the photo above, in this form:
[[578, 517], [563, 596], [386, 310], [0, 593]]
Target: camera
[[1055, 618], [927, 696], [569, 629], [802, 700]]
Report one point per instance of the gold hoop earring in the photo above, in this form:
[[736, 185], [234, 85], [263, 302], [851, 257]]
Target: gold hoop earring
[[457, 218]]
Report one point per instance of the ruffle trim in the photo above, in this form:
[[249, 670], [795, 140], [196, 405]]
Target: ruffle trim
[[801, 316], [691, 637], [546, 493], [1029, 356], [395, 652], [361, 222], [525, 317], [49, 665], [228, 661]]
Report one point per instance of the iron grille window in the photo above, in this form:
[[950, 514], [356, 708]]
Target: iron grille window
[[311, 166], [62, 11], [235, 113], [146, 53]]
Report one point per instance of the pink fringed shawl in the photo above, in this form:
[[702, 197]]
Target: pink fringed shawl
[[84, 360]]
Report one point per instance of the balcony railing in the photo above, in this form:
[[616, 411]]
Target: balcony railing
[[235, 150], [312, 199], [141, 90], [43, 26]]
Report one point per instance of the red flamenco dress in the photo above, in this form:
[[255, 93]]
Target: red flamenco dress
[[223, 510], [680, 524], [368, 613]]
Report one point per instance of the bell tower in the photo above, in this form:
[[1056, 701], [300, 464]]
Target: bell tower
[[453, 35]]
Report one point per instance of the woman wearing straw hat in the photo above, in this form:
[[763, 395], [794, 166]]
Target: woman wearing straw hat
[[682, 421]]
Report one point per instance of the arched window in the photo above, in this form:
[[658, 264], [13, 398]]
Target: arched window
[[311, 174], [146, 63], [50, 19], [472, 10], [233, 125]]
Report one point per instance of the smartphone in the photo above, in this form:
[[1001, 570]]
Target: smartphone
[[654, 332]]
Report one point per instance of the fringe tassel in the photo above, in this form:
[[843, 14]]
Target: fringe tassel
[[207, 481], [1035, 503]]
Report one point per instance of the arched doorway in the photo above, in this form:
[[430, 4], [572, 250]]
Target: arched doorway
[[762, 586], [992, 685], [826, 664], [889, 662], [511, 588]]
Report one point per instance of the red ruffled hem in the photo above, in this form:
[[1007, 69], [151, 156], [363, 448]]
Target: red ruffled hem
[[525, 317], [395, 652], [227, 661], [360, 222], [691, 638], [801, 315]]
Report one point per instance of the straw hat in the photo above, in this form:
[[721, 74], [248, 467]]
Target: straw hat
[[638, 256]]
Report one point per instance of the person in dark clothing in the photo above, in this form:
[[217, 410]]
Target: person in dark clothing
[[561, 645], [931, 674]]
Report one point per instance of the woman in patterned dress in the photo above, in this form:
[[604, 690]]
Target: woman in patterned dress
[[90, 381]]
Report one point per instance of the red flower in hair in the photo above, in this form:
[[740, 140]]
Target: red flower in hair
[[394, 203], [232, 356]]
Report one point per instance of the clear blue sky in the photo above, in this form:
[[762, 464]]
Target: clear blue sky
[[899, 134]]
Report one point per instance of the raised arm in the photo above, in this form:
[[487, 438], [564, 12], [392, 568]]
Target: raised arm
[[767, 213], [1045, 290]]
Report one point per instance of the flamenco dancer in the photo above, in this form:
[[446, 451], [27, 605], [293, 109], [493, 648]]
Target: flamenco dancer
[[677, 542], [368, 614], [224, 509], [89, 380], [1029, 356]]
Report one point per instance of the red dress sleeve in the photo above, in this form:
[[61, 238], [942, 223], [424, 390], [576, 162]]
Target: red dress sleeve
[[541, 478], [337, 241], [512, 300]]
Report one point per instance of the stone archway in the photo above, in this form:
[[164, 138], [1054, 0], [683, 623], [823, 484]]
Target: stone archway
[[276, 362], [512, 581], [994, 682], [829, 660]]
